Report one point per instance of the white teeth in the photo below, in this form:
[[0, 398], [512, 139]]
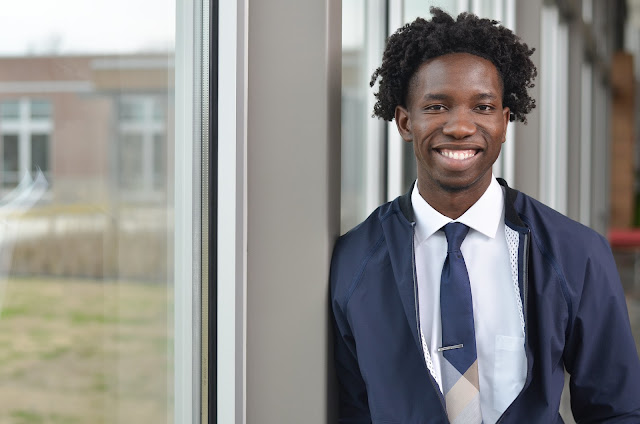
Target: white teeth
[[458, 155]]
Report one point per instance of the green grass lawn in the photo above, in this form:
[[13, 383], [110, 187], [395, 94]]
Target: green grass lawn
[[85, 352]]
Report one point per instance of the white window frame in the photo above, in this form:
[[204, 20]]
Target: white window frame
[[395, 144], [375, 132], [190, 211], [232, 215], [24, 127], [554, 96], [586, 141]]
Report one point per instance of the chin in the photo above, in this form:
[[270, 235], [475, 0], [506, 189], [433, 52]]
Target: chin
[[460, 185], [457, 188]]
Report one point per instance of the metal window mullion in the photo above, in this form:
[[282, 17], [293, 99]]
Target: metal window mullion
[[548, 121], [476, 7], [187, 206], [462, 6], [395, 144], [507, 156], [231, 212], [498, 10], [510, 14], [375, 24], [204, 227], [561, 76], [586, 143]]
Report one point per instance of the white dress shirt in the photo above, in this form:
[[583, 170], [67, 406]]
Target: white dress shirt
[[498, 327]]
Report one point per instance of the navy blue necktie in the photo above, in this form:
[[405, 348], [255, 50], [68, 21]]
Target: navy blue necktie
[[460, 364]]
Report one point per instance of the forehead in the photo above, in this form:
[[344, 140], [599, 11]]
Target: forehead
[[456, 74]]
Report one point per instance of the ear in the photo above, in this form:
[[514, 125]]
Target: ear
[[506, 115], [403, 122]]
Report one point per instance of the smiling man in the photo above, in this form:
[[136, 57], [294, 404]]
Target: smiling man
[[464, 300]]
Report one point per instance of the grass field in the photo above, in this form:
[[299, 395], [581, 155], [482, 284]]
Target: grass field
[[85, 352], [89, 352]]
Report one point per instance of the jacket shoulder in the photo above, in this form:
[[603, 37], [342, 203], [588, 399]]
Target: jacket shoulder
[[555, 230]]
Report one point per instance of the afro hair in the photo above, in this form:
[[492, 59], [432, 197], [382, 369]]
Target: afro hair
[[421, 40]]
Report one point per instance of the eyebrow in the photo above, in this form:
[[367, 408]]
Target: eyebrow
[[436, 96], [488, 96], [441, 96]]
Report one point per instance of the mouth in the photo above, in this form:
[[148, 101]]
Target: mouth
[[458, 154]]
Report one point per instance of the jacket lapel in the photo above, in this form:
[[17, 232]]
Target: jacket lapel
[[398, 232]]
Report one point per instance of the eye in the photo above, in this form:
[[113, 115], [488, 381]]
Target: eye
[[485, 108], [435, 108]]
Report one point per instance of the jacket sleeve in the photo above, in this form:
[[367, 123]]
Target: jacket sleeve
[[352, 395], [600, 354]]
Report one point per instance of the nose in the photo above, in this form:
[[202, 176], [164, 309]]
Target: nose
[[459, 125]]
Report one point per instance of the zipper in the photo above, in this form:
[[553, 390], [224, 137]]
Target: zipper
[[525, 288], [415, 304], [525, 283]]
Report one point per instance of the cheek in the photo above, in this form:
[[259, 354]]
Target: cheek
[[423, 131], [499, 132]]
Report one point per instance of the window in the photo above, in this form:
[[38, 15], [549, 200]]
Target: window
[[363, 171], [26, 129], [10, 160], [10, 110], [141, 158], [40, 109], [98, 294]]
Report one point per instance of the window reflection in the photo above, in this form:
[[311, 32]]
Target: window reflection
[[86, 304], [142, 131], [26, 126]]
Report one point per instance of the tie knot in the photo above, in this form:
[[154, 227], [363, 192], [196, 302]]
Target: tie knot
[[455, 233]]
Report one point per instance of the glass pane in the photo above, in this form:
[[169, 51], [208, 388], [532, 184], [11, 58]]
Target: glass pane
[[86, 258], [40, 153], [10, 109], [158, 112], [131, 157], [9, 160], [40, 109], [358, 52], [132, 111], [420, 8], [159, 168], [486, 9]]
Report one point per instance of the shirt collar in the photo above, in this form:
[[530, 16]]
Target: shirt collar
[[483, 216]]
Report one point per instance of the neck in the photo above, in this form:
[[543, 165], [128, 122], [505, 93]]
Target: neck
[[452, 203]]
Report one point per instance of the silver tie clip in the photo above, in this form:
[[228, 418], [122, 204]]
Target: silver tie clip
[[443, 348]]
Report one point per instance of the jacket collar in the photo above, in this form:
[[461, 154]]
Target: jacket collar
[[511, 217], [406, 207]]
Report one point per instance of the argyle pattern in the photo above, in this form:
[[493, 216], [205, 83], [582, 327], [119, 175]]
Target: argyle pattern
[[460, 360]]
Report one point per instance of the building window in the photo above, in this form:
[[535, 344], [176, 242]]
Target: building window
[[26, 126], [142, 144]]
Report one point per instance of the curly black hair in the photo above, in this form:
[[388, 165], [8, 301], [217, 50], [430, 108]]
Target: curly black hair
[[421, 40]]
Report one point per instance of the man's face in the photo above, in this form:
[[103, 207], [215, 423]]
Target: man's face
[[456, 121]]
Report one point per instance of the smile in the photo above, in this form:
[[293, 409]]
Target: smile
[[458, 154]]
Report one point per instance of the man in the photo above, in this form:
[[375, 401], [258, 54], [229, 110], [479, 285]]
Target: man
[[464, 300]]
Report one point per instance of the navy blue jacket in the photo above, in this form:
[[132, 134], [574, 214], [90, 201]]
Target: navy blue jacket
[[575, 318]]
